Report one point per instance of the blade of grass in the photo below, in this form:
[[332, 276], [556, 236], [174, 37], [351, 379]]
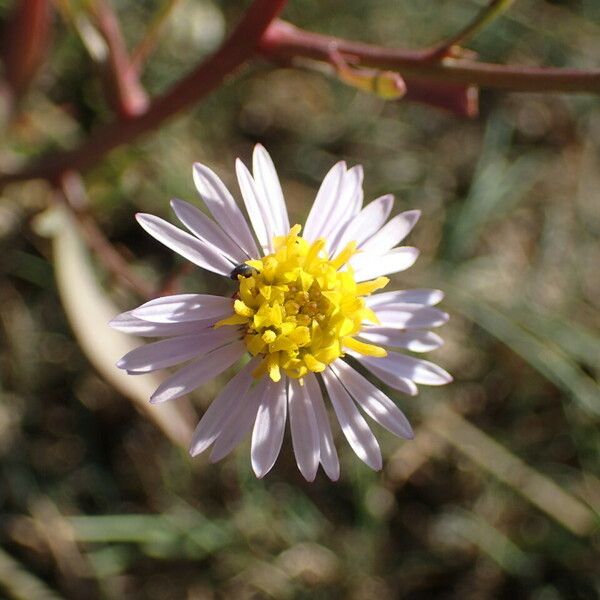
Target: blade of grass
[[20, 584], [490, 540], [498, 185], [167, 535], [536, 488], [579, 343], [549, 360]]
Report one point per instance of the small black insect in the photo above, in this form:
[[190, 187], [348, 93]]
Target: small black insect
[[244, 270]]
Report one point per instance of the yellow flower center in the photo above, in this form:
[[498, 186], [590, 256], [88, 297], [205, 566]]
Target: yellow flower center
[[299, 311]]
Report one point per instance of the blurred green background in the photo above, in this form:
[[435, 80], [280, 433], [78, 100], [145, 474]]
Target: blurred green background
[[499, 494]]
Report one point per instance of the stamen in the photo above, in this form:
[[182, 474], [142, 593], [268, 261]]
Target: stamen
[[298, 310]]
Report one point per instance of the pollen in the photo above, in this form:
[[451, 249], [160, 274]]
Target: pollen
[[299, 309]]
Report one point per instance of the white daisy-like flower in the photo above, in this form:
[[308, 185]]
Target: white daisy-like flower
[[303, 304]]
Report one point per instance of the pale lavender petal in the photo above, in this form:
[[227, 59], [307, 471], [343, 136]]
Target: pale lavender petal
[[265, 176], [183, 308], [369, 266], [208, 231], [367, 222], [328, 454], [221, 408], [200, 371], [420, 296], [402, 384], [392, 233], [200, 253], [419, 370], [346, 206], [224, 209], [267, 435], [127, 323], [353, 424], [372, 400], [261, 216], [415, 341], [239, 422], [326, 198], [175, 350], [304, 428], [410, 316]]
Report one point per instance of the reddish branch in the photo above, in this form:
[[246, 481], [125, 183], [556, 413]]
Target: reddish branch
[[260, 32], [25, 43], [285, 41], [241, 45], [126, 93]]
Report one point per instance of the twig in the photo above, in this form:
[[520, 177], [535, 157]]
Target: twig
[[74, 194], [123, 86], [259, 30], [285, 41], [240, 46], [25, 43], [148, 43], [493, 10]]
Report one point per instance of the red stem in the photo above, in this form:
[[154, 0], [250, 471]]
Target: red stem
[[25, 42], [123, 86], [241, 45], [260, 31], [285, 41]]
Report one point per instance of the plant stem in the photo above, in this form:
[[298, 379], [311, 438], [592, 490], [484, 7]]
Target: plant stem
[[123, 87], [241, 45], [485, 16], [150, 40], [73, 191], [285, 41], [260, 31]]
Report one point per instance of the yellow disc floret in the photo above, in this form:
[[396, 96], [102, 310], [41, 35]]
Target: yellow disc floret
[[299, 311]]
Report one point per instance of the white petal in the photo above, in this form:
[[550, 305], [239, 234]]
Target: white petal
[[425, 297], [175, 350], [200, 253], [353, 424], [415, 341], [417, 369], [328, 454], [220, 409], [239, 422], [402, 384], [369, 266], [223, 208], [305, 432], [127, 323], [368, 221], [183, 308], [208, 231], [410, 316], [261, 216], [392, 233], [267, 435], [346, 206], [372, 400], [325, 200], [200, 371], [265, 176]]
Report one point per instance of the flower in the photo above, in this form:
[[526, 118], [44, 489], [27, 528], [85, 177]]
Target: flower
[[304, 303]]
